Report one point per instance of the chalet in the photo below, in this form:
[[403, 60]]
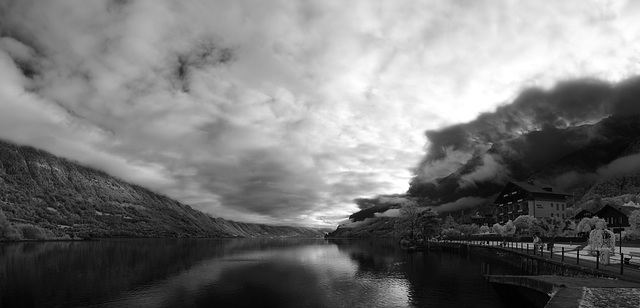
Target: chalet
[[582, 214], [617, 217], [483, 220], [521, 198]]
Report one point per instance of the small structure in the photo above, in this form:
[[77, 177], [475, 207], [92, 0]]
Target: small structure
[[520, 198], [582, 214], [617, 218]]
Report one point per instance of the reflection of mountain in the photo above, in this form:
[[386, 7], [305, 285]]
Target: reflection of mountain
[[80, 273], [57, 194], [237, 273]]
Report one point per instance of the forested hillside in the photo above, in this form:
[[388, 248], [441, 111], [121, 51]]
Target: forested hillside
[[47, 196]]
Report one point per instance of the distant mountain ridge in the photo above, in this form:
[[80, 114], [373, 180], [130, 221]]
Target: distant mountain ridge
[[64, 197], [590, 161]]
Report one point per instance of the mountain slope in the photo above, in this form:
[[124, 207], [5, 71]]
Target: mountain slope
[[67, 198], [543, 156], [601, 160]]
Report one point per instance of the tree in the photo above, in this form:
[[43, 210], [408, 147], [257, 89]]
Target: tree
[[449, 222], [584, 225], [497, 228], [428, 222], [509, 229], [484, 229], [469, 229], [524, 223], [7, 231], [410, 212], [569, 228], [588, 224], [450, 232], [550, 226], [634, 221]]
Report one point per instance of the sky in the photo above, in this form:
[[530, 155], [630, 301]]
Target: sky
[[285, 112]]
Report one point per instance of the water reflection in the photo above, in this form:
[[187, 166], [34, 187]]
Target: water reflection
[[236, 273]]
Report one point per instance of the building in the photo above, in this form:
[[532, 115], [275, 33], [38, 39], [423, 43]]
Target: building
[[521, 198], [617, 218], [582, 214], [483, 220]]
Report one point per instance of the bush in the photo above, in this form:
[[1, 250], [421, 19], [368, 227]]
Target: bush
[[7, 231], [31, 232]]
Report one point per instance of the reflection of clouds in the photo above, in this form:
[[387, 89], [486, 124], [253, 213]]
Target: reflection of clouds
[[320, 273]]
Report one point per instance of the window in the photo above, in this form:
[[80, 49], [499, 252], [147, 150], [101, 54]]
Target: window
[[557, 207], [551, 214], [562, 216], [563, 206]]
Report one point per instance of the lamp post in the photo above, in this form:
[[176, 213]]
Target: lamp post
[[619, 231]]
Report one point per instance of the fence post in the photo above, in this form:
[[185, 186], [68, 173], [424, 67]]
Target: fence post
[[577, 255], [551, 253], [562, 254], [621, 263], [527, 248], [597, 259]]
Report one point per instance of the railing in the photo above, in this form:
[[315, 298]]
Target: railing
[[560, 254]]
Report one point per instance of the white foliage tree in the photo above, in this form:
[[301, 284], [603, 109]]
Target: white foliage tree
[[509, 229]]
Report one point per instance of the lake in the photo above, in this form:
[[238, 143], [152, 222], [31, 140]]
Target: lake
[[240, 273]]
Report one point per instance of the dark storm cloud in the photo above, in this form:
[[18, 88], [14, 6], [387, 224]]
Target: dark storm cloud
[[569, 103], [380, 201], [460, 204], [626, 99]]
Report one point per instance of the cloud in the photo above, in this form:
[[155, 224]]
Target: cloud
[[280, 112], [567, 104], [618, 167], [490, 170], [460, 204], [621, 166], [389, 213]]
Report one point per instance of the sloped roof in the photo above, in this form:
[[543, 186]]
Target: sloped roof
[[626, 210], [535, 189], [582, 214]]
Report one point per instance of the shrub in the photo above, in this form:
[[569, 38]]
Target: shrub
[[7, 231], [31, 232]]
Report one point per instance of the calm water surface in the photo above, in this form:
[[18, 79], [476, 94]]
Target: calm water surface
[[239, 273]]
